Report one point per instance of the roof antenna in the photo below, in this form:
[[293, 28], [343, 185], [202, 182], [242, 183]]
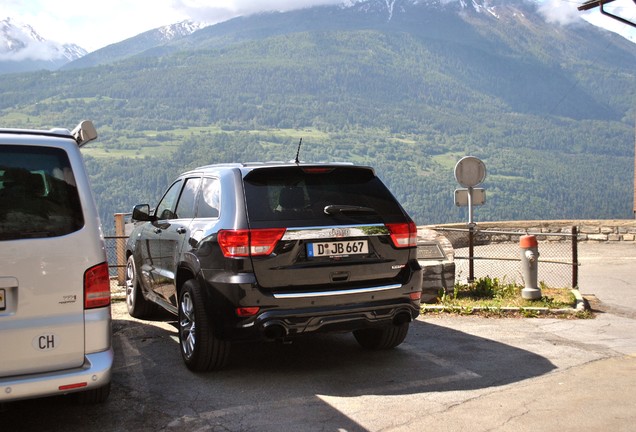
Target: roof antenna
[[298, 151]]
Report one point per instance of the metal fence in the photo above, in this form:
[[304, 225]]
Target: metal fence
[[116, 255], [494, 254], [497, 254], [116, 248]]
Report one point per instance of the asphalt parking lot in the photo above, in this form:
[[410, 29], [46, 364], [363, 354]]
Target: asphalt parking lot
[[452, 373]]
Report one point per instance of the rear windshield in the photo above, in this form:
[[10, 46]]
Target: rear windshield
[[293, 196], [38, 196]]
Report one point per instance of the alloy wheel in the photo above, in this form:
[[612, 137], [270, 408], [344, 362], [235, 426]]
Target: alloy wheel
[[187, 325], [130, 284]]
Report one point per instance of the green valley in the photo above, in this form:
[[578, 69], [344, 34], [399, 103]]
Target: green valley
[[549, 109]]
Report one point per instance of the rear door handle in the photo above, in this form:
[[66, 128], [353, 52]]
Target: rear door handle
[[181, 230], [157, 230]]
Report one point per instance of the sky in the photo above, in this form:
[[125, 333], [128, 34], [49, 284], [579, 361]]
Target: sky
[[93, 24]]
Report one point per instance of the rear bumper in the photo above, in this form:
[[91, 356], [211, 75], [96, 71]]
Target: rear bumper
[[287, 313], [280, 324], [96, 372]]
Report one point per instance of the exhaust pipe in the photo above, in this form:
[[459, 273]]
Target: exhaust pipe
[[402, 318], [274, 330]]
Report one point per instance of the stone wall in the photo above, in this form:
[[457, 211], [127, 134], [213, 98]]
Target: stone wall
[[606, 230]]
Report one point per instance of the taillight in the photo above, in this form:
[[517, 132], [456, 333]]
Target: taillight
[[96, 287], [317, 170], [244, 312], [235, 243], [403, 235], [263, 241], [254, 242]]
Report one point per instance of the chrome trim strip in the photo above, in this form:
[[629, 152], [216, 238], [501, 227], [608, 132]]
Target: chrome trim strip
[[334, 293], [335, 231]]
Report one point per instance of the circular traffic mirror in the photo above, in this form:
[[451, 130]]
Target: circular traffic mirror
[[470, 171]]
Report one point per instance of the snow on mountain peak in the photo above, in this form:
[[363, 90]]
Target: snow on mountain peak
[[180, 29], [557, 12], [391, 7], [19, 41]]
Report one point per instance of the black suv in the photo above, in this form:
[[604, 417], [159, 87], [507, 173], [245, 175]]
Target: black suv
[[272, 251]]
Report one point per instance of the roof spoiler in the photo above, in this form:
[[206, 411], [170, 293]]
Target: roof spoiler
[[84, 132]]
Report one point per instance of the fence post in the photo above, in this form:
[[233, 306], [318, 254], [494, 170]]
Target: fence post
[[120, 248], [575, 257], [471, 253]]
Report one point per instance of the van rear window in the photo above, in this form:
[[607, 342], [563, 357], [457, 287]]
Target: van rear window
[[38, 194], [292, 196]]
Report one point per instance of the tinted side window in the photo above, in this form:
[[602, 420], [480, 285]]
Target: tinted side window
[[185, 207], [293, 197], [38, 195], [209, 204], [166, 207]]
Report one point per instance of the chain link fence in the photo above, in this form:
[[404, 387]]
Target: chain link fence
[[116, 249], [497, 254], [115, 254]]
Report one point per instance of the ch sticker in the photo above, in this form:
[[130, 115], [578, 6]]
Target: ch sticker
[[45, 342]]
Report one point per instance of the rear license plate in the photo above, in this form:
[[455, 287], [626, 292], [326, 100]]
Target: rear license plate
[[3, 300], [337, 248]]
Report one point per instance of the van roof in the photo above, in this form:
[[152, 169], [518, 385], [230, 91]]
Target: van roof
[[82, 134]]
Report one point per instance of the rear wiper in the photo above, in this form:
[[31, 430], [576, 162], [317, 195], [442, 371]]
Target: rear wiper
[[336, 209]]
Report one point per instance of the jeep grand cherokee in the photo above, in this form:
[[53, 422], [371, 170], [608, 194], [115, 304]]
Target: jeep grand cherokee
[[274, 251]]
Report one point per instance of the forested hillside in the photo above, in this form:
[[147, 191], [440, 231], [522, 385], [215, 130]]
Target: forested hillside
[[549, 109]]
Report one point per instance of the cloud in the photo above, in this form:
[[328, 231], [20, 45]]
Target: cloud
[[110, 21], [91, 27], [566, 13], [560, 12], [34, 51], [21, 44], [201, 10], [625, 9]]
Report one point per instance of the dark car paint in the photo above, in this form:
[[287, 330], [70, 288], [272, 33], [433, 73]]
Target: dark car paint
[[193, 252]]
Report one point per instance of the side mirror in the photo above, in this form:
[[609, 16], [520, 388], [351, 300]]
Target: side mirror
[[141, 213]]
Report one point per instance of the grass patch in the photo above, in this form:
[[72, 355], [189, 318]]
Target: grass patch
[[447, 160], [491, 296]]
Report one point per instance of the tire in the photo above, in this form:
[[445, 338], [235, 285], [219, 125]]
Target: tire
[[200, 349], [93, 396], [138, 306], [381, 338]]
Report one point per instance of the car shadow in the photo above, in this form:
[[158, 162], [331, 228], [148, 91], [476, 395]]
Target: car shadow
[[270, 383], [437, 358]]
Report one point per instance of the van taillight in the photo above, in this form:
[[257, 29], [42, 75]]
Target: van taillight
[[254, 242], [96, 287], [403, 234]]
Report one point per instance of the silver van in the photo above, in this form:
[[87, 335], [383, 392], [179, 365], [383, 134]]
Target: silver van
[[55, 318]]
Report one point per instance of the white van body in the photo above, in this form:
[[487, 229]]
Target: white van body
[[55, 318]]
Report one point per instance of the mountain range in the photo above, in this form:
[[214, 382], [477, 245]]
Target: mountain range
[[22, 49], [136, 45], [406, 86]]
